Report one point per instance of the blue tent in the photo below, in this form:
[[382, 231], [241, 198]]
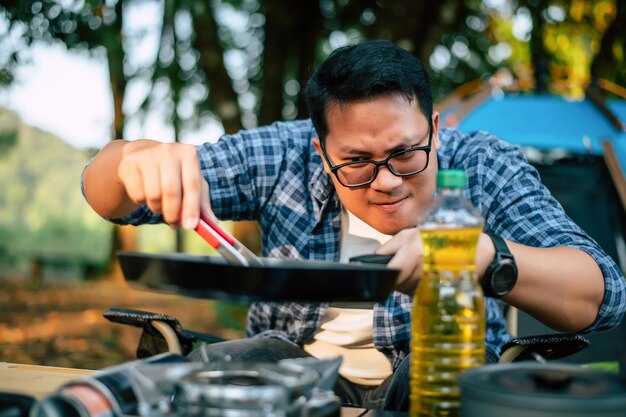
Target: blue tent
[[579, 149], [546, 122], [578, 146]]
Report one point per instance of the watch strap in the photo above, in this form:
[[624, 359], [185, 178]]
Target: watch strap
[[500, 245], [503, 256]]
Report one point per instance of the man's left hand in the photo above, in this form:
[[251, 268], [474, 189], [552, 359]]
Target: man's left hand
[[408, 256]]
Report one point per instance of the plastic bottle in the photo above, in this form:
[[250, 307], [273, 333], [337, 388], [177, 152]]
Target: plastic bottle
[[448, 322]]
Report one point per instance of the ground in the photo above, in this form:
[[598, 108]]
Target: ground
[[61, 324]]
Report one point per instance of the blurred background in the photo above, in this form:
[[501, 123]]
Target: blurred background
[[75, 74]]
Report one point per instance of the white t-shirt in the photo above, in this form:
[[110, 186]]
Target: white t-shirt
[[349, 331]]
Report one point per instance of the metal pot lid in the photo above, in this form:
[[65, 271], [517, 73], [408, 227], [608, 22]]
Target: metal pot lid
[[538, 385]]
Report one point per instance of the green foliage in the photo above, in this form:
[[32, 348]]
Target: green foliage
[[6, 77], [161, 238], [42, 211], [278, 46], [77, 24], [574, 42], [7, 141], [8, 135]]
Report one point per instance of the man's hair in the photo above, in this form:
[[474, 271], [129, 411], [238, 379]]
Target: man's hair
[[363, 71]]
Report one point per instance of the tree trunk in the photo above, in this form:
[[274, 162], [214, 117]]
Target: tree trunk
[[115, 56], [278, 25], [179, 244], [417, 26], [435, 20], [124, 237], [221, 94], [311, 21], [538, 55], [289, 52]]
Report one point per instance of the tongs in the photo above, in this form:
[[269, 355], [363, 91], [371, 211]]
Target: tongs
[[235, 252]]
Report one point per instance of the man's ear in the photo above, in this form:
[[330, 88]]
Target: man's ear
[[436, 142], [318, 148]]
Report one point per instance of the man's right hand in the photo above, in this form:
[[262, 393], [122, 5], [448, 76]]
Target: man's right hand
[[164, 176]]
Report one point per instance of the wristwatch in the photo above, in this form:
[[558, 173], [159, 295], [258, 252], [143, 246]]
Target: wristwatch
[[501, 274]]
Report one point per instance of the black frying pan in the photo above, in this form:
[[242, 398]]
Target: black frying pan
[[276, 280]]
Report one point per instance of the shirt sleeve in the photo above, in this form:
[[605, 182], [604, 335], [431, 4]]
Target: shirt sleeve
[[242, 171], [517, 206]]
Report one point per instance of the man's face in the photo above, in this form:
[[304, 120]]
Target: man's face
[[373, 129]]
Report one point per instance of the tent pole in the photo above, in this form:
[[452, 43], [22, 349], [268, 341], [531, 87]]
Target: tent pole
[[616, 171]]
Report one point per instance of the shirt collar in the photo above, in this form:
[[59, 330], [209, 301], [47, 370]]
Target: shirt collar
[[321, 185]]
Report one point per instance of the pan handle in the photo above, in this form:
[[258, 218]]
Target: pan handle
[[372, 259]]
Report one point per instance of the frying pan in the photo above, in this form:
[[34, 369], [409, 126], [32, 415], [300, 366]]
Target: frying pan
[[274, 280]]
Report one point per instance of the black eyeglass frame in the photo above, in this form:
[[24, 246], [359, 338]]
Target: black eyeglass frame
[[377, 164]]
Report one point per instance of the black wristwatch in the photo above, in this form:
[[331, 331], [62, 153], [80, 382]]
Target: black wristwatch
[[501, 274]]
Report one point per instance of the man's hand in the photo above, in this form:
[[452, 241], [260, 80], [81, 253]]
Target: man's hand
[[408, 256], [407, 249], [164, 176]]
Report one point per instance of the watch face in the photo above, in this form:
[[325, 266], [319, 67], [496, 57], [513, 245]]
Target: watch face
[[504, 278]]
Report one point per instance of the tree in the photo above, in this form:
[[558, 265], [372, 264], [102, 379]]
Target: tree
[[289, 52], [98, 25], [89, 26], [580, 41], [609, 62]]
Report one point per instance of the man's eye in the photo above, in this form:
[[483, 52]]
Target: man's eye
[[403, 156], [358, 159]]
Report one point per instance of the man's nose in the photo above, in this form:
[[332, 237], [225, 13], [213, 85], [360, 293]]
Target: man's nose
[[385, 180]]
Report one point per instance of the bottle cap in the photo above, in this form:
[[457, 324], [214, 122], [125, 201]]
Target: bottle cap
[[451, 178]]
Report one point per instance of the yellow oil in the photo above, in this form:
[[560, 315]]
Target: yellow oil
[[448, 323]]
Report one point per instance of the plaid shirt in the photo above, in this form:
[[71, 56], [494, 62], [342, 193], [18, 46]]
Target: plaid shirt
[[274, 175]]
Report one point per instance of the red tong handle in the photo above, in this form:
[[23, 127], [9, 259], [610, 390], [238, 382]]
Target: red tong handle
[[202, 231], [201, 228], [229, 247]]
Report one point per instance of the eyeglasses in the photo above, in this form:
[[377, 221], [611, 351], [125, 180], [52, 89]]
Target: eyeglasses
[[404, 163]]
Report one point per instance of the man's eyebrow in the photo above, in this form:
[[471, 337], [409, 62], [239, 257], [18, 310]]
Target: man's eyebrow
[[406, 143]]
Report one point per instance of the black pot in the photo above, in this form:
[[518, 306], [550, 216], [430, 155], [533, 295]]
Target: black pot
[[541, 390]]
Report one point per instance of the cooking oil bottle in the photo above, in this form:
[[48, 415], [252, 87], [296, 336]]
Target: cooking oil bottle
[[448, 322]]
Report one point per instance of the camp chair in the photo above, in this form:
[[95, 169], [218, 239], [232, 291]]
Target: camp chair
[[163, 333]]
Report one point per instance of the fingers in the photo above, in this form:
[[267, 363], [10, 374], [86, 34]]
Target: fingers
[[167, 178], [408, 280], [195, 193], [171, 190], [205, 203], [406, 246], [192, 192], [151, 178], [133, 183]]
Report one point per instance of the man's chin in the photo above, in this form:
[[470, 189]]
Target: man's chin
[[391, 228]]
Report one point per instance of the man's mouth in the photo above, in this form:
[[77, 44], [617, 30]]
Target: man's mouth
[[389, 204]]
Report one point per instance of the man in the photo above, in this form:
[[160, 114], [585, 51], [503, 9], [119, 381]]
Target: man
[[359, 175]]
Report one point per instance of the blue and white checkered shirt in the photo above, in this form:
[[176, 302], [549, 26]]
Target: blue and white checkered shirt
[[274, 175]]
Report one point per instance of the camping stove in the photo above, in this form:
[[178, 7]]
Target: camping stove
[[170, 386]]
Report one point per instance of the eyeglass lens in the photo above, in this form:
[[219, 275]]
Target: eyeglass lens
[[405, 163]]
